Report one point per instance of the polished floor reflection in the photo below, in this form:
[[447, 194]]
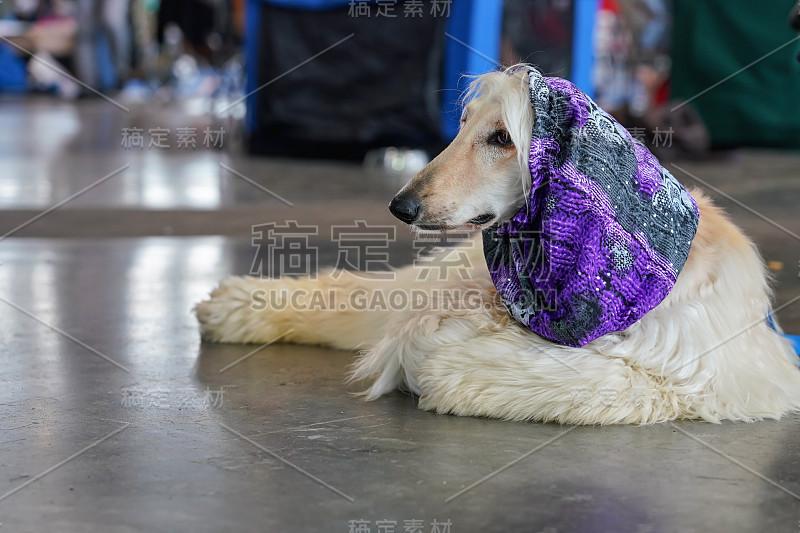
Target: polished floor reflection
[[98, 337], [51, 150], [114, 417]]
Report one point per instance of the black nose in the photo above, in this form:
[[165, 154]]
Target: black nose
[[405, 207]]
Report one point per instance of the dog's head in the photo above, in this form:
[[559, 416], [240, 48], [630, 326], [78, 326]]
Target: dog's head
[[482, 177]]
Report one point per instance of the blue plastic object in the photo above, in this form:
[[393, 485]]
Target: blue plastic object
[[795, 340], [583, 45], [13, 76], [472, 47], [252, 18]]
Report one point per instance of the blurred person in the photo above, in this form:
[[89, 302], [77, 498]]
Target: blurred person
[[632, 76], [101, 20]]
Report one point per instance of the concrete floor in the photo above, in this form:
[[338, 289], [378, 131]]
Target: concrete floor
[[114, 417]]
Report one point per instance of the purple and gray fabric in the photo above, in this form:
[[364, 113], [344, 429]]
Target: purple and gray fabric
[[605, 231]]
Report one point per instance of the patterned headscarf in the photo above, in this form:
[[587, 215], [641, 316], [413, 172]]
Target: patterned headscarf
[[605, 231]]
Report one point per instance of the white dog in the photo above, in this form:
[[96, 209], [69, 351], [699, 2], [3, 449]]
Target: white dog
[[706, 351]]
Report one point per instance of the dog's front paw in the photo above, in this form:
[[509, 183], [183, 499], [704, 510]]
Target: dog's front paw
[[229, 315]]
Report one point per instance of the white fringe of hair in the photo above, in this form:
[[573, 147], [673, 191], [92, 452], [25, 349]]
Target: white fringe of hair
[[510, 87]]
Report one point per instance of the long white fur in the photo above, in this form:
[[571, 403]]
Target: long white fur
[[705, 352], [511, 90]]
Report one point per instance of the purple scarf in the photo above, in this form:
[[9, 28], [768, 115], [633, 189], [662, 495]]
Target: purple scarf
[[606, 230]]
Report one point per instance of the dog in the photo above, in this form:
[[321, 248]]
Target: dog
[[706, 351]]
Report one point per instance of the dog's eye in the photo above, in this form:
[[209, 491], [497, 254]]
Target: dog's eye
[[500, 138]]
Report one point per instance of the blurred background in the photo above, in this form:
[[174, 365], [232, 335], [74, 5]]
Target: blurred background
[[177, 88]]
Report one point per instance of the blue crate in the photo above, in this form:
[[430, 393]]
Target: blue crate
[[472, 47], [475, 23]]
